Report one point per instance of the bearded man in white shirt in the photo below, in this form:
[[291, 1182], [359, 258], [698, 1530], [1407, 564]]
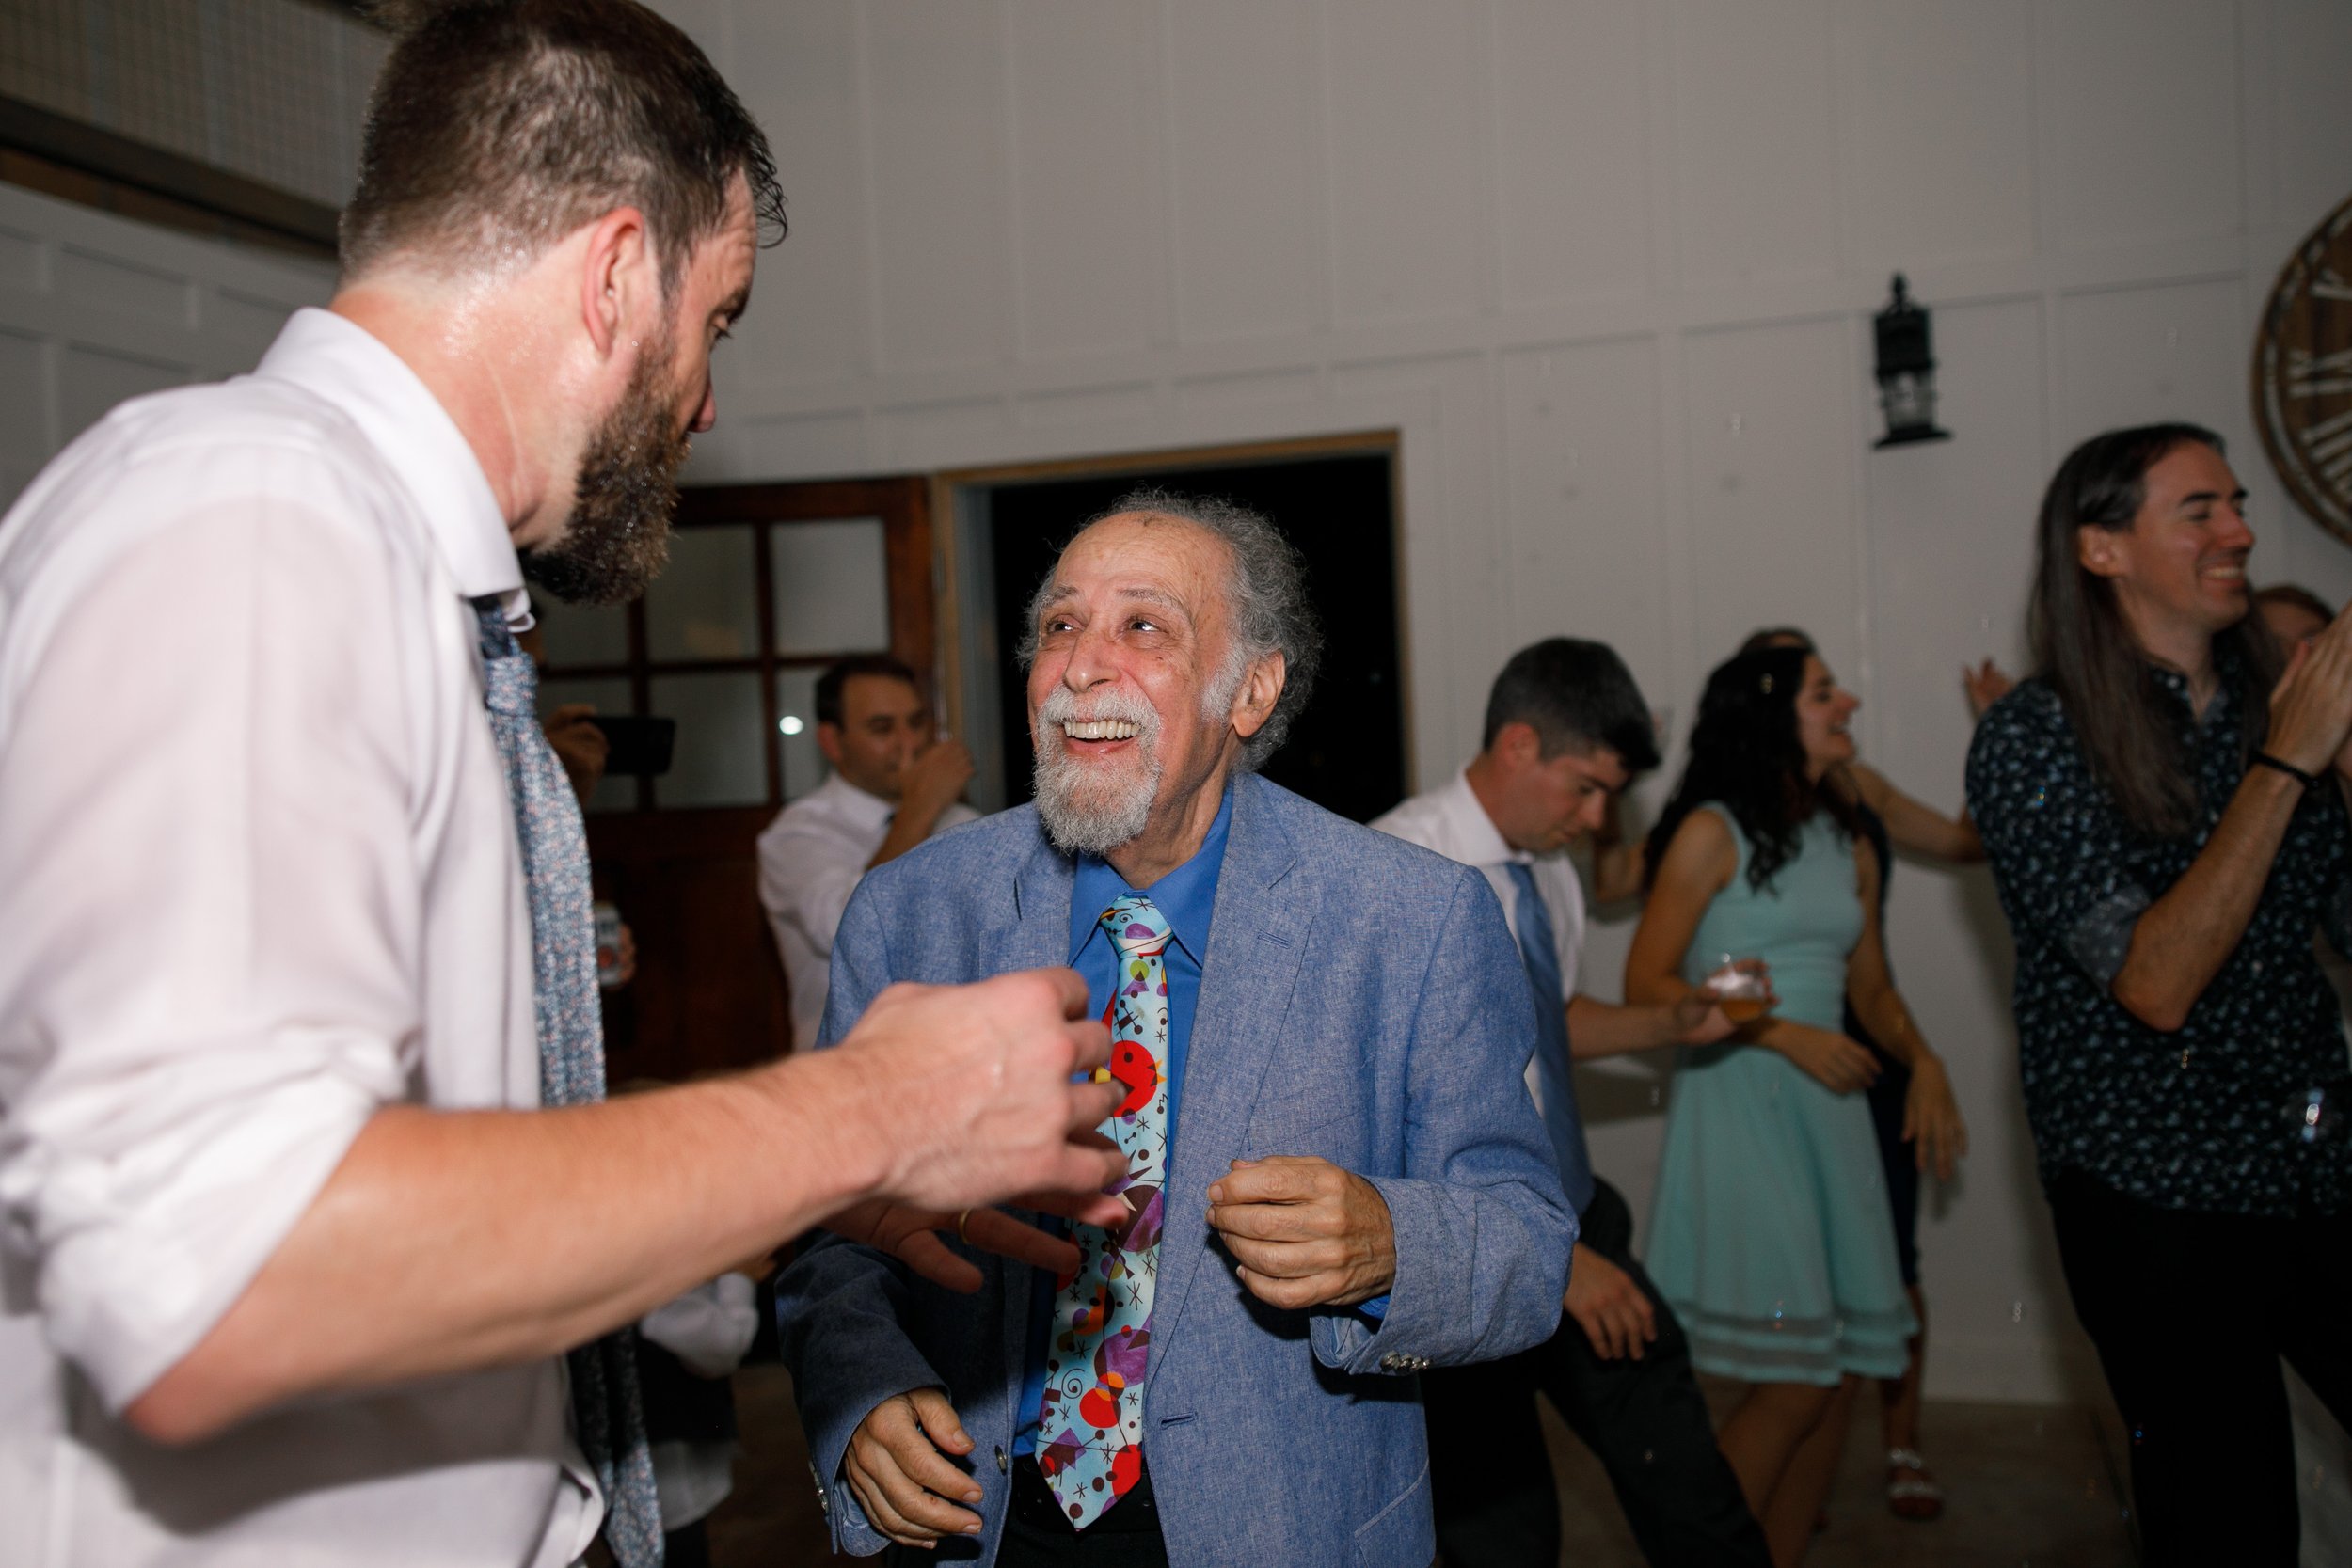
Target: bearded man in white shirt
[[1567, 731], [894, 784], [290, 1248]]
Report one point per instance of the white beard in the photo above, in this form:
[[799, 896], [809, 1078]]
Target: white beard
[[1090, 809]]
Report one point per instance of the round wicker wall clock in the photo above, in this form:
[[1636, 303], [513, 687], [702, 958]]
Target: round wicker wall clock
[[2303, 374]]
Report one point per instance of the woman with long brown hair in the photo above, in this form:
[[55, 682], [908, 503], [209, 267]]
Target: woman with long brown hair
[[1769, 1233]]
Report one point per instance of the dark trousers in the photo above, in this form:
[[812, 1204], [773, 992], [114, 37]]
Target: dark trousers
[[2191, 1313], [1037, 1535], [1491, 1482]]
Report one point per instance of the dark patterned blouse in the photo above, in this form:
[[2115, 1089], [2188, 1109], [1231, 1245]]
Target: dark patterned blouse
[[2211, 1117]]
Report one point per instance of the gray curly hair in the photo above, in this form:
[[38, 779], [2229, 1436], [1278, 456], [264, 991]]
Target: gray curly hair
[[1267, 598]]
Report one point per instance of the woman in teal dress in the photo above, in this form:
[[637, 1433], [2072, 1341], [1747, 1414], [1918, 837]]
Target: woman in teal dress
[[1769, 1233]]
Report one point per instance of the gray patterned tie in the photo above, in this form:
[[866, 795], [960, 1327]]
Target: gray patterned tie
[[554, 842]]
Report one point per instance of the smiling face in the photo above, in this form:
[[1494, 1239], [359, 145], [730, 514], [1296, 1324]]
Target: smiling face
[[2179, 570], [885, 728], [1134, 711], [1824, 711]]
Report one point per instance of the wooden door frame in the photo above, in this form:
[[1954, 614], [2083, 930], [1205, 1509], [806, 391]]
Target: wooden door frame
[[654, 1024]]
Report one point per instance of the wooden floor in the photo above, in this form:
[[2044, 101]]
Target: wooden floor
[[2030, 1486]]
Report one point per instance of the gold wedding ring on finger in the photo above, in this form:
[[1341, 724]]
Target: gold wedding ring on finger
[[962, 1220]]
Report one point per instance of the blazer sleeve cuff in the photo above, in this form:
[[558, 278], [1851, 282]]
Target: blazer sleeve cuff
[[894, 1370], [1428, 1301]]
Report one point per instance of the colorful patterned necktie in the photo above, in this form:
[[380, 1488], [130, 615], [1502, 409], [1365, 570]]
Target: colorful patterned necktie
[[1090, 1424], [610, 1422]]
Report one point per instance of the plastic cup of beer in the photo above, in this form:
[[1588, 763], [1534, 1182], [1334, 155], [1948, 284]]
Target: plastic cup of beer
[[1743, 994]]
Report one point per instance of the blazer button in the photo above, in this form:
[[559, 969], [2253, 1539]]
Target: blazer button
[[1002, 1464]]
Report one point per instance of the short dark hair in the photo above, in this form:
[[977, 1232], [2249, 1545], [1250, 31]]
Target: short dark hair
[[833, 681], [498, 126], [1776, 637], [1577, 695]]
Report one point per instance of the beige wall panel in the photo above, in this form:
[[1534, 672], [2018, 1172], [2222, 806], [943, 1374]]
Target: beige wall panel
[[1936, 107], [2168, 352], [1581, 496], [1571, 164], [799, 446], [2139, 100], [1773, 447], [811, 319], [1089, 404], [153, 297], [1755, 205], [1254, 390], [942, 195], [1247, 246], [1087, 141], [1408, 154], [2313, 40], [93, 380]]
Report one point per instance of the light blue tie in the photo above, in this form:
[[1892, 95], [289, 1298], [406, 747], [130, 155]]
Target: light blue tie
[[1552, 1069], [554, 844]]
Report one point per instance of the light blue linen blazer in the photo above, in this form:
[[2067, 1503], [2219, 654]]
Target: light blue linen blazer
[[1361, 1000]]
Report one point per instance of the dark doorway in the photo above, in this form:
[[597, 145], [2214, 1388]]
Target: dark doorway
[[1346, 751]]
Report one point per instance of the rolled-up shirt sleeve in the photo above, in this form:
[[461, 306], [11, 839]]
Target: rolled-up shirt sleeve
[[211, 893], [806, 875], [2056, 840]]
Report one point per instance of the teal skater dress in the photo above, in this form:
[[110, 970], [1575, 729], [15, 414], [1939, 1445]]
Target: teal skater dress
[[1770, 1235]]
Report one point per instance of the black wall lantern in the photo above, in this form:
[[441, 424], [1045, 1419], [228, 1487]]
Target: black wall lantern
[[1906, 371]]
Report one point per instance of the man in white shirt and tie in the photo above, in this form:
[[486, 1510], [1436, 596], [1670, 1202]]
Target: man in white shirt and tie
[[289, 1247], [894, 784], [1565, 732]]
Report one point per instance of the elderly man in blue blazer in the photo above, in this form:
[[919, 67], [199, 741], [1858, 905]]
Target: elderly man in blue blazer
[[1335, 1175]]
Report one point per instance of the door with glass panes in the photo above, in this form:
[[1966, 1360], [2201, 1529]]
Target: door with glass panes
[[767, 585]]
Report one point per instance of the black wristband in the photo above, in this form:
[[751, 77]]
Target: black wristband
[[2263, 759]]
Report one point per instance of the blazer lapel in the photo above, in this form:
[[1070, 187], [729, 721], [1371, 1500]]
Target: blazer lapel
[[1257, 935], [1037, 935]]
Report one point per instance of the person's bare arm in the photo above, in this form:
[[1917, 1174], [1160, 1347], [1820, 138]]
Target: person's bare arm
[[2182, 940], [1915, 825], [1699, 863], [1598, 1028], [449, 1241], [1931, 1120], [935, 782], [1616, 865]]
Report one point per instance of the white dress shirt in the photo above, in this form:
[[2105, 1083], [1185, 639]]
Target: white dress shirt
[[258, 879], [811, 857], [1450, 821]]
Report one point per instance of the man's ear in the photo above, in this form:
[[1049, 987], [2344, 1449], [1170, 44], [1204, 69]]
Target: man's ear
[[1261, 688], [1518, 743], [829, 741], [2100, 551], [620, 282]]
